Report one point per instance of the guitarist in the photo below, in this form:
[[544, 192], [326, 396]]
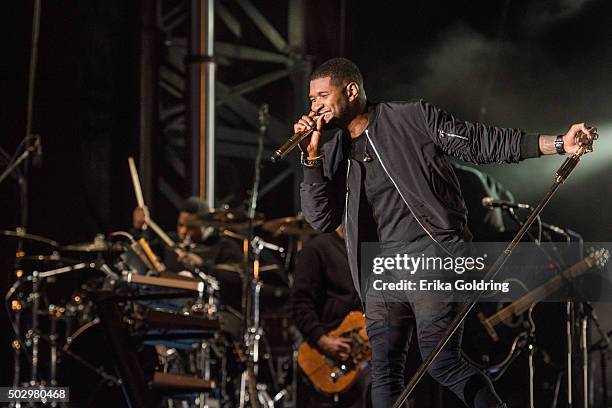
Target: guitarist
[[322, 295]]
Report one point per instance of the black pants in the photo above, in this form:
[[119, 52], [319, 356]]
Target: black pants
[[389, 326]]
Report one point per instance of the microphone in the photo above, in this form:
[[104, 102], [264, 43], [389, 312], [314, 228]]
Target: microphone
[[555, 229], [290, 144], [492, 203]]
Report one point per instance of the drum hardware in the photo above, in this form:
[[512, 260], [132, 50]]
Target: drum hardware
[[296, 229], [54, 313], [239, 268], [205, 355], [34, 333], [41, 262], [250, 389], [156, 319], [131, 277], [180, 384], [17, 166], [124, 357], [212, 287], [182, 294], [145, 256], [164, 327]]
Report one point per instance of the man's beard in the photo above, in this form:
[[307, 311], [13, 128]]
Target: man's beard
[[334, 123]]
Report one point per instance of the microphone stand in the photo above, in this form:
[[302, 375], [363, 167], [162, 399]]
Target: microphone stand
[[603, 346], [570, 323], [252, 284], [15, 164], [23, 176], [561, 175]]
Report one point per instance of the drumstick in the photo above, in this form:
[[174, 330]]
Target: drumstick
[[160, 232], [136, 182], [138, 189], [150, 255]]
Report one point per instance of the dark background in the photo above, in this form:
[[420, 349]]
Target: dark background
[[536, 65]]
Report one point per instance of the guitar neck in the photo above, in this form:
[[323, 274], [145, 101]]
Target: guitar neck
[[523, 304]]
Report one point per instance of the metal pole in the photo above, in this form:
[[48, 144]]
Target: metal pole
[[148, 97], [17, 349], [202, 101], [569, 321], [531, 374], [34, 331], [585, 358], [23, 180], [299, 74]]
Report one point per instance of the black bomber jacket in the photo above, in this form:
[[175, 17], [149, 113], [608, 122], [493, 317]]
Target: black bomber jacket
[[412, 140]]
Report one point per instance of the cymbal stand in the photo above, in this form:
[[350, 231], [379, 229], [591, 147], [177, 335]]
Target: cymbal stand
[[561, 175], [53, 314], [33, 335], [212, 286], [22, 174], [252, 287], [254, 330], [17, 344], [250, 290]]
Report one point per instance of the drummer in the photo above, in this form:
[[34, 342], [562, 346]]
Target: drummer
[[207, 246]]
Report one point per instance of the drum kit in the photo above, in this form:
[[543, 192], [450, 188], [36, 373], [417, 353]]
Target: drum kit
[[106, 319]]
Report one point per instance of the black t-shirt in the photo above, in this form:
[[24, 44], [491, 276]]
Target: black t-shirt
[[383, 214], [323, 292]]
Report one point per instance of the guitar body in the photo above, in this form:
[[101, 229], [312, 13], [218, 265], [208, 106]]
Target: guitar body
[[493, 353], [327, 375]]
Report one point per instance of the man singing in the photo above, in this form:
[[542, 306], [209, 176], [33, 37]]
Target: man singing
[[386, 176]]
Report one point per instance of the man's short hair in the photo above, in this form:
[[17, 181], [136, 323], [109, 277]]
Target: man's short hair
[[193, 205], [340, 70]]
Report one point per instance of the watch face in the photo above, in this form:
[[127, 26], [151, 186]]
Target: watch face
[[559, 145]]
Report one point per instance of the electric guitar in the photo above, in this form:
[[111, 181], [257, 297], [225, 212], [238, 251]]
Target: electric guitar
[[330, 376], [492, 342]]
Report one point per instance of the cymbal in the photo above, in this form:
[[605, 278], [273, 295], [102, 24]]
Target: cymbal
[[38, 238], [223, 218], [289, 226], [239, 268], [94, 246]]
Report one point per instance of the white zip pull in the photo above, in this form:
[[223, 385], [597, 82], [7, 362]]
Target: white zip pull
[[445, 134], [346, 198]]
